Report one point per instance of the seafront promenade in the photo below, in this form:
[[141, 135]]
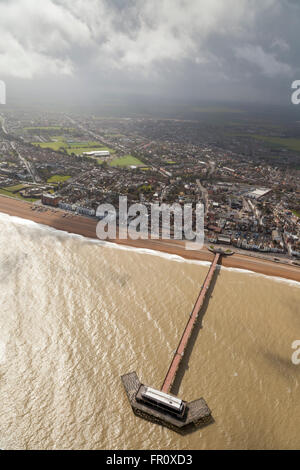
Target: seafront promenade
[[86, 227]]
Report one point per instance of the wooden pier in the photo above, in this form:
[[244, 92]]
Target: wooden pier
[[197, 412], [178, 355]]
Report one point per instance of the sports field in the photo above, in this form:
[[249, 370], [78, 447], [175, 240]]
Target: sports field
[[77, 148], [127, 160]]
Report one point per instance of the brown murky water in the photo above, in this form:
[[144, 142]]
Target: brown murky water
[[76, 314]]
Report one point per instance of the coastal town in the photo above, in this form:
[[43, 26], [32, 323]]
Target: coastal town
[[249, 184]]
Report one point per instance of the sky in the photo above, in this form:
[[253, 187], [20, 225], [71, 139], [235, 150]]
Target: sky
[[219, 50]]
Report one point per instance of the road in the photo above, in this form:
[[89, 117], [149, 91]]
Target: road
[[29, 167], [3, 124], [204, 195], [85, 129]]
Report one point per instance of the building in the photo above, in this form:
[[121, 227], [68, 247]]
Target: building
[[97, 153], [50, 199], [259, 193], [276, 236], [85, 211], [67, 207], [224, 239], [215, 228]]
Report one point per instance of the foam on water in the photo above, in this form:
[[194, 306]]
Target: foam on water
[[116, 246], [75, 314]]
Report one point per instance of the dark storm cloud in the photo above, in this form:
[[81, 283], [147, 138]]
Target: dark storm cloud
[[234, 49]]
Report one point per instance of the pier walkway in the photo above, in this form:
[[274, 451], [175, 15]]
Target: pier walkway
[[178, 355]]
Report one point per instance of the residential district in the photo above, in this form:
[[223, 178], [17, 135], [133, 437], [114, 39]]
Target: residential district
[[246, 175]]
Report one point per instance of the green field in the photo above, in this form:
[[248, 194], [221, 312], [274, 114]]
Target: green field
[[262, 123], [50, 145], [75, 147], [5, 192], [296, 213], [290, 143], [287, 142], [125, 161], [49, 128], [215, 109], [17, 187], [84, 144], [58, 178]]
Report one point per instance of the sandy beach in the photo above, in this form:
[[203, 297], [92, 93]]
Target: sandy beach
[[86, 227]]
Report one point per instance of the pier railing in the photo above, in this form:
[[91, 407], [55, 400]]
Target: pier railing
[[178, 355]]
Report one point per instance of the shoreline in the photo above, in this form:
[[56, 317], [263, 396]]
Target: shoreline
[[86, 227]]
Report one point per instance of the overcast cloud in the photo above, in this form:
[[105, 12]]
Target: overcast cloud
[[230, 49]]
